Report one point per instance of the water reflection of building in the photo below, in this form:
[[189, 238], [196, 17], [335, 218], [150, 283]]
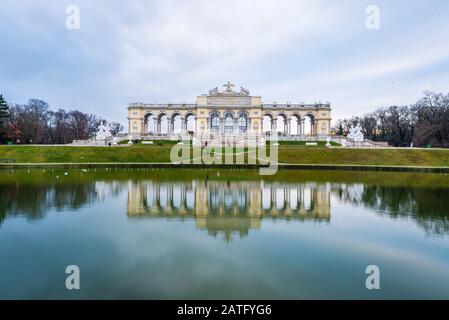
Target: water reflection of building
[[229, 207]]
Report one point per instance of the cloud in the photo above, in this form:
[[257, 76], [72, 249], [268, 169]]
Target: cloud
[[285, 50]]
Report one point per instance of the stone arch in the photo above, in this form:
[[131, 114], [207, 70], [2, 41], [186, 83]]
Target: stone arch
[[162, 123], [229, 122], [212, 112], [214, 121], [267, 122], [243, 122], [190, 121], [310, 124], [282, 123], [176, 122], [295, 124], [240, 112], [149, 126]]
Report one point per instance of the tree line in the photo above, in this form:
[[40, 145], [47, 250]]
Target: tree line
[[35, 123], [421, 124]]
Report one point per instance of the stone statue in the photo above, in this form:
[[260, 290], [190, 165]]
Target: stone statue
[[214, 91], [102, 133], [244, 91], [356, 134], [228, 85]]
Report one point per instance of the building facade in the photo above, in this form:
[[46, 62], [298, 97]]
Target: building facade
[[229, 112]]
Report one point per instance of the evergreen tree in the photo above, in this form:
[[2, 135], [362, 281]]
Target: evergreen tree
[[340, 130], [4, 109]]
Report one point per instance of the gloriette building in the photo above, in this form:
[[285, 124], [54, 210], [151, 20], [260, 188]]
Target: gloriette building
[[228, 112]]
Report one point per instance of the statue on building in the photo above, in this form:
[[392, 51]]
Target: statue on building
[[228, 85], [214, 91], [244, 91]]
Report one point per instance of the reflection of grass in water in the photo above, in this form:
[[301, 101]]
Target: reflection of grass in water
[[47, 176]]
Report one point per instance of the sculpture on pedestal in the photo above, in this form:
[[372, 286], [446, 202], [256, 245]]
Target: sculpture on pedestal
[[356, 134]]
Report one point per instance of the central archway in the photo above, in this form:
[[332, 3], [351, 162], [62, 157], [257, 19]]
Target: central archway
[[229, 123], [215, 122]]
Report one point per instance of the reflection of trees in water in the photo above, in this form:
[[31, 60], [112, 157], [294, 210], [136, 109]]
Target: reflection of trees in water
[[424, 205], [33, 201]]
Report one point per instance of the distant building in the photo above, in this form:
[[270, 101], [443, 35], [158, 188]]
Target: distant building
[[228, 112]]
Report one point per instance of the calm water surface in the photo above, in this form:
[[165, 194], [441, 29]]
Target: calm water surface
[[223, 234]]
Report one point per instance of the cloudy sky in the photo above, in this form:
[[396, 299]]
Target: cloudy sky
[[172, 51]]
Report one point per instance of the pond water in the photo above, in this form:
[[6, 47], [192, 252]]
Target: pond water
[[231, 234]]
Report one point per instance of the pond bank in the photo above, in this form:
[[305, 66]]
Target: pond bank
[[281, 166]]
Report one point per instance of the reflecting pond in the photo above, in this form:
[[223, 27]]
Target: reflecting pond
[[232, 234]]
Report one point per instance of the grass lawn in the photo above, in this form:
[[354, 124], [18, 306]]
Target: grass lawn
[[287, 154]]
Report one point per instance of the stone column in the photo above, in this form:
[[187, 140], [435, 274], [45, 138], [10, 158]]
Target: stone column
[[303, 130], [275, 125], [183, 126], [236, 124], [289, 126], [156, 125]]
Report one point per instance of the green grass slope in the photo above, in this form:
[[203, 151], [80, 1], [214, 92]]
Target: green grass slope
[[287, 154]]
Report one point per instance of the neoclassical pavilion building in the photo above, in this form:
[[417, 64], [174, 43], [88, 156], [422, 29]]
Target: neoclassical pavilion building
[[229, 112]]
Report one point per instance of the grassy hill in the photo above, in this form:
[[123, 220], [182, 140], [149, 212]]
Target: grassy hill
[[287, 154]]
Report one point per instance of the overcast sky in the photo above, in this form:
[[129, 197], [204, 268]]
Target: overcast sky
[[172, 51]]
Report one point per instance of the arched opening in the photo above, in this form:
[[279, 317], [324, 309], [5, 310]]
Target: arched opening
[[176, 123], [190, 123], [309, 125], [162, 124], [243, 123], [215, 122], [295, 125], [267, 123], [229, 123], [281, 124], [148, 124]]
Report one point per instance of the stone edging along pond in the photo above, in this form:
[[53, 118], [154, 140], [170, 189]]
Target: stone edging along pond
[[281, 166]]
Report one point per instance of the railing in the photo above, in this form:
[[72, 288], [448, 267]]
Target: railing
[[294, 105], [163, 105]]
